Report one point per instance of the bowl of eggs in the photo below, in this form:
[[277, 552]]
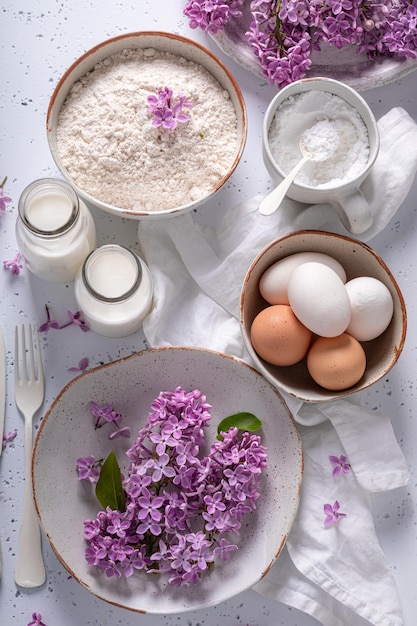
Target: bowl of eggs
[[147, 125], [321, 315]]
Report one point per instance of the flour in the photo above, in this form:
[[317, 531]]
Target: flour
[[304, 111], [106, 140]]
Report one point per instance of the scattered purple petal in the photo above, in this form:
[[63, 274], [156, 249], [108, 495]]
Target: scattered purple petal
[[82, 366], [340, 464], [77, 320], [7, 438], [74, 318], [50, 323], [332, 513], [15, 265], [120, 432], [107, 415], [36, 620], [4, 200]]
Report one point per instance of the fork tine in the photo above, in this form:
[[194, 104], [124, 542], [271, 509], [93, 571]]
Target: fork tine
[[19, 372], [16, 354], [34, 371], [39, 366], [32, 359]]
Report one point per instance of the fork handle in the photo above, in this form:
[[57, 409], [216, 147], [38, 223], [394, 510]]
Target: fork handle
[[30, 568]]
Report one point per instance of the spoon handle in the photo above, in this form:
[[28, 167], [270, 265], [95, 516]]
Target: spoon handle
[[273, 200]]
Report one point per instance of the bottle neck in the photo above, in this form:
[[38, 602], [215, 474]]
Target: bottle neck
[[49, 207], [112, 273]]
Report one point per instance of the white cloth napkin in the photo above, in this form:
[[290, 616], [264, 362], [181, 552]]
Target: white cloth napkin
[[337, 573]]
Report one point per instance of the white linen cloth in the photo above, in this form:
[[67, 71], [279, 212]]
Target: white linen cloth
[[336, 573]]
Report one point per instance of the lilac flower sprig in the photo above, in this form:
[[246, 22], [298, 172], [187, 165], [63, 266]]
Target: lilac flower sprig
[[284, 33], [180, 509], [166, 110]]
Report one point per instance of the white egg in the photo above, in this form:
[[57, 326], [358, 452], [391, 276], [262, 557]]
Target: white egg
[[372, 307], [273, 283], [319, 299]]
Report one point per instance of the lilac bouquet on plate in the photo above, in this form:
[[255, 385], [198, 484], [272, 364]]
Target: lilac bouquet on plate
[[283, 33], [175, 511]]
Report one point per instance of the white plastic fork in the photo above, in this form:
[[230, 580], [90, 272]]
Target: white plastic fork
[[29, 392]]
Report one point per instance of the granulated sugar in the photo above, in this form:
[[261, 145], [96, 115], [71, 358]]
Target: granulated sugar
[[321, 140], [305, 110], [107, 143]]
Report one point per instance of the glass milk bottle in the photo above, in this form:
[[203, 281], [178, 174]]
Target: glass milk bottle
[[113, 289], [55, 231]]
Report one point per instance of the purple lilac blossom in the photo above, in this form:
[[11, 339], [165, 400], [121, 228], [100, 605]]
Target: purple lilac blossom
[[211, 15], [88, 468], [167, 111], [332, 513], [107, 415], [181, 507], [340, 464], [401, 36], [283, 33]]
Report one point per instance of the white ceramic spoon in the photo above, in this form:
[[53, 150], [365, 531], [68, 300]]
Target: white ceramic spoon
[[320, 149]]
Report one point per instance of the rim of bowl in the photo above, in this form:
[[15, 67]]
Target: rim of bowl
[[99, 52], [318, 83], [264, 367]]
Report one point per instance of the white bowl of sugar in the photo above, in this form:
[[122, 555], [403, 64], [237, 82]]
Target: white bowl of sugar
[[317, 106], [147, 125]]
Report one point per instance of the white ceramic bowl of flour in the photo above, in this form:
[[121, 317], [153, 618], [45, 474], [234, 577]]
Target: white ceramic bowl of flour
[[102, 138], [300, 106]]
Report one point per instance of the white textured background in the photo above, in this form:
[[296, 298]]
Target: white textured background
[[39, 40]]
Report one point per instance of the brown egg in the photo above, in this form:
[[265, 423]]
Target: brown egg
[[279, 337], [336, 363]]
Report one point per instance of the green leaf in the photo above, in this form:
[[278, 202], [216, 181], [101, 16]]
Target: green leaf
[[109, 489], [242, 421]]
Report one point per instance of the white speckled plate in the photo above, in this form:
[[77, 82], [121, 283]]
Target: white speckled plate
[[130, 384], [345, 65]]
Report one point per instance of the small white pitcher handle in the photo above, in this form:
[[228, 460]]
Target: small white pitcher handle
[[353, 211]]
